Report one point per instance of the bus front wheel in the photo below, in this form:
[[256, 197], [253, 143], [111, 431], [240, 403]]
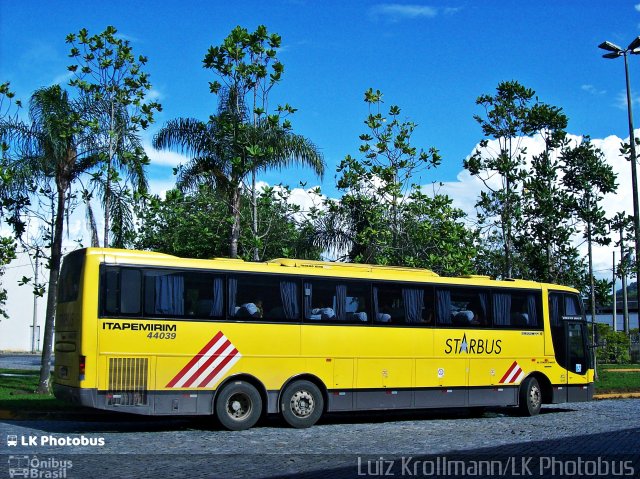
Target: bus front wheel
[[238, 406], [530, 397], [301, 404]]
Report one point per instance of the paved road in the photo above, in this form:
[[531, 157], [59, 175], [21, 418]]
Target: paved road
[[592, 436], [29, 362]]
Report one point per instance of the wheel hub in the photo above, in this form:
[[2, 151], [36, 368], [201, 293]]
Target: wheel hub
[[238, 406], [534, 396], [302, 404]]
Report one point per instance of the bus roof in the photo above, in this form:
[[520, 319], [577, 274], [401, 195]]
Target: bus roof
[[309, 268]]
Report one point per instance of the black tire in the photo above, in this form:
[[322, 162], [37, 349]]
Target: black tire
[[301, 404], [238, 406], [530, 397]]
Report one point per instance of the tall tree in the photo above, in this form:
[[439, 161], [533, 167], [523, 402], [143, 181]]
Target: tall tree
[[7, 244], [227, 150], [51, 151], [383, 216], [506, 120], [545, 229], [247, 65], [588, 177], [117, 88]]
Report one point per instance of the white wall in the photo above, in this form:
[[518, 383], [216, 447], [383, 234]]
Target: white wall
[[15, 332]]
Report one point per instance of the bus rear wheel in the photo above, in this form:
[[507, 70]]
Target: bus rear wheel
[[530, 397], [238, 406], [301, 404]]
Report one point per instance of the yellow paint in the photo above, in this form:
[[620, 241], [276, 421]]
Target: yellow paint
[[342, 357]]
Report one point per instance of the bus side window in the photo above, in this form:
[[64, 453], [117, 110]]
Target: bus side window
[[333, 301], [130, 287], [516, 309], [463, 307], [121, 288], [204, 295], [263, 298], [111, 291]]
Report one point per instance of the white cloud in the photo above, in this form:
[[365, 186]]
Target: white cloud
[[466, 189], [397, 11], [621, 100], [164, 157], [637, 7], [593, 90]]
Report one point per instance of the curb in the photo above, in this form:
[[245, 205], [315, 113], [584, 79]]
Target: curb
[[599, 397]]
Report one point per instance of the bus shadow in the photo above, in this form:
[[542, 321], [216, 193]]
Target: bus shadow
[[605, 454]]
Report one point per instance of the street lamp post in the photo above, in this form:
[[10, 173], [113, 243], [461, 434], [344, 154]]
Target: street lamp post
[[614, 52]]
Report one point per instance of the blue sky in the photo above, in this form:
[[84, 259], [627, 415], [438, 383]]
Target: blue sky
[[433, 59]]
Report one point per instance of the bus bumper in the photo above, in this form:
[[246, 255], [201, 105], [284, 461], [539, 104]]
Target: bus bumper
[[77, 396], [572, 393]]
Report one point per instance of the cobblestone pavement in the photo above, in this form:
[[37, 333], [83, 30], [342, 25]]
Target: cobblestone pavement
[[339, 446]]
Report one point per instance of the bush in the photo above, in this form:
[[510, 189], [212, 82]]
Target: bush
[[613, 347]]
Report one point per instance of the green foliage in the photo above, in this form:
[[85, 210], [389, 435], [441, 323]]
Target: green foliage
[[613, 346], [383, 216], [507, 117], [236, 143], [113, 89], [587, 178], [7, 254], [195, 225]]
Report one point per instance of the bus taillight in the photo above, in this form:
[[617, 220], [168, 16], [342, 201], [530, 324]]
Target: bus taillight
[[81, 367]]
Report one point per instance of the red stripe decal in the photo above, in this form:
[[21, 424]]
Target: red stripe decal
[[206, 364], [218, 368], [506, 375], [194, 360]]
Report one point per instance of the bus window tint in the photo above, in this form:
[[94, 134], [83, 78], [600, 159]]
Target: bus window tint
[[69, 284], [398, 304], [516, 309], [268, 298], [111, 290], [203, 295], [463, 307], [331, 301], [163, 293], [179, 294], [130, 291]]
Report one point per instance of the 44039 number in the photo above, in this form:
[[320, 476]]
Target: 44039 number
[[158, 335]]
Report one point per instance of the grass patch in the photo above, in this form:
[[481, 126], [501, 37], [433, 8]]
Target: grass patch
[[18, 393], [611, 381]]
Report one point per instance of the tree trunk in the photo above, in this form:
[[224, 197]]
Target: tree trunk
[[234, 210], [254, 211], [107, 190], [52, 292], [593, 295]]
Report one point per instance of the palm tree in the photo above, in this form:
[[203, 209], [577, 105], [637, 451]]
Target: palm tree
[[225, 150], [53, 147]]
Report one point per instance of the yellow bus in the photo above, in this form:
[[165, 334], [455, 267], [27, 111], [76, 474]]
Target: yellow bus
[[155, 334]]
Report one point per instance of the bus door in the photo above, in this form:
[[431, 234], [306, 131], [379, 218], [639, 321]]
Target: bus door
[[578, 360], [569, 334]]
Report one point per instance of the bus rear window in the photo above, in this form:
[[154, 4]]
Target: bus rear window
[[69, 283]]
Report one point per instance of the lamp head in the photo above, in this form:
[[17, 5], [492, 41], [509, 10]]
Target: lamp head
[[611, 47]]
